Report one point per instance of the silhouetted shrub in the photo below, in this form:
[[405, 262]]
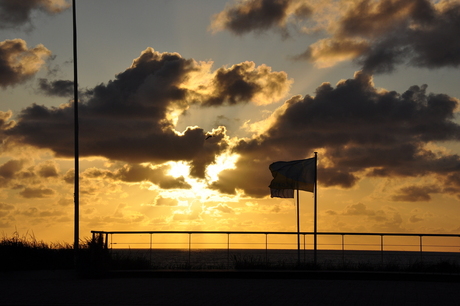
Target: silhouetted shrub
[[26, 253]]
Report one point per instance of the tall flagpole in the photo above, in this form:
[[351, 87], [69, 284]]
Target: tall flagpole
[[77, 168], [298, 227], [315, 213]]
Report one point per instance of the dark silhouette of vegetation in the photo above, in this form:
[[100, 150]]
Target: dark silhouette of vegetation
[[25, 253], [19, 253]]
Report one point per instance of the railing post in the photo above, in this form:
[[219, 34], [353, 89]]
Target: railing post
[[228, 250], [266, 248], [343, 249], [106, 244], [381, 247], [150, 249], [189, 248], [421, 249], [304, 248]]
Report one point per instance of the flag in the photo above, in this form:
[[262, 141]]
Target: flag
[[291, 175]]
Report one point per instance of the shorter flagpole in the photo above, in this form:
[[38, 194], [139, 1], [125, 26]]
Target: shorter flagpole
[[295, 175]]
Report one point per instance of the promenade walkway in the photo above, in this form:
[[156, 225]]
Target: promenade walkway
[[63, 288]]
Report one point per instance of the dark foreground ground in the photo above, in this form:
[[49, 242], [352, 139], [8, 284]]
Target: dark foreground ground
[[231, 288]]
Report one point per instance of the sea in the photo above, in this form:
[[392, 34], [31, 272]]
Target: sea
[[279, 258]]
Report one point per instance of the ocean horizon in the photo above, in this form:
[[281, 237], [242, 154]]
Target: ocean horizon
[[232, 258]]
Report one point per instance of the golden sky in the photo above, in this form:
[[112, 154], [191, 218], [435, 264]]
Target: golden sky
[[184, 105]]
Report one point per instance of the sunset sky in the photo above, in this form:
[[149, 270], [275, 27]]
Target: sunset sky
[[372, 86]]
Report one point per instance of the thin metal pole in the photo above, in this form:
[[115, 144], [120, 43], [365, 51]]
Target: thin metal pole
[[298, 228], [76, 127], [315, 213], [343, 249]]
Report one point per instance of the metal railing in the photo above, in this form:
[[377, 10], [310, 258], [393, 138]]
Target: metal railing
[[268, 246]]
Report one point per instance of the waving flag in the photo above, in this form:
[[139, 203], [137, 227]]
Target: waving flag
[[291, 175]]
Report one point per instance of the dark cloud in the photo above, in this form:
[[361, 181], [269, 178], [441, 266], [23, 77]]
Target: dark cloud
[[452, 184], [391, 222], [244, 82], [415, 193], [14, 13], [15, 174], [4, 206], [9, 169], [415, 219], [223, 208], [329, 50], [378, 35], [5, 209], [258, 15], [19, 63], [361, 209], [5, 124], [69, 176], [52, 213], [47, 169], [416, 32], [126, 119], [386, 219], [361, 131], [31, 211], [139, 173], [59, 88], [160, 201], [39, 192]]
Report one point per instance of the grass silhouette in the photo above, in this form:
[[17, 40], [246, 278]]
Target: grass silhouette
[[25, 253], [18, 253]]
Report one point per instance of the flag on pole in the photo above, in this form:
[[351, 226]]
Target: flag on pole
[[291, 175]]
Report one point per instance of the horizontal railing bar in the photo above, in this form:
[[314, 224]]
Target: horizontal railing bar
[[277, 233]]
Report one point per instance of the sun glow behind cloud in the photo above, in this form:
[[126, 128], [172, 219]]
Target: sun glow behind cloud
[[199, 188], [223, 162], [179, 169]]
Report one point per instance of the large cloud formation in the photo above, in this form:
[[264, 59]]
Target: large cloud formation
[[377, 34], [17, 13], [19, 63], [360, 130], [132, 118]]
